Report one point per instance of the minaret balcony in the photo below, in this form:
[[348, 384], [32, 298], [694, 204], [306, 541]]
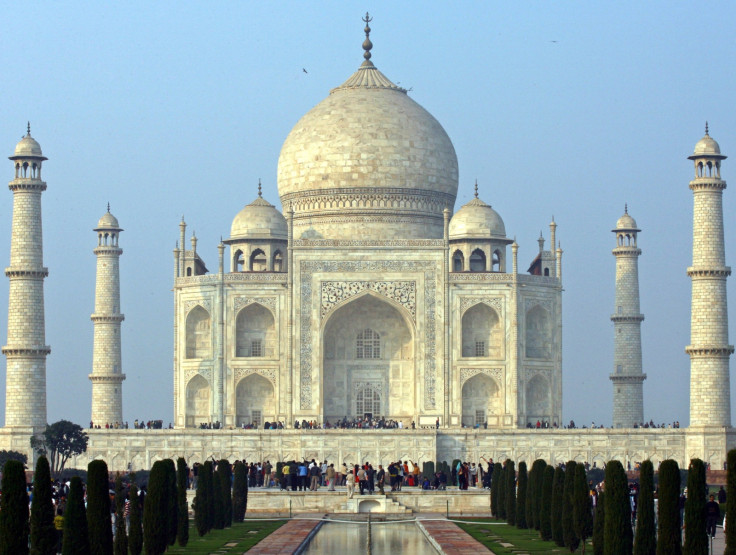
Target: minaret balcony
[[712, 272], [627, 318], [709, 350], [628, 378]]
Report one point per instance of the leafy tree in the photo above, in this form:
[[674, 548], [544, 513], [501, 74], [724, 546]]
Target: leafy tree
[[43, 533], [135, 532], [223, 468], [545, 522], [617, 532], [645, 542], [495, 482], [510, 490], [696, 536], [558, 487], [568, 526], [155, 511], [182, 479], [730, 523], [599, 525], [240, 490], [120, 544], [668, 536], [201, 503], [76, 540], [60, 441], [14, 510], [581, 507], [219, 513], [98, 508], [522, 483], [6, 456], [172, 511]]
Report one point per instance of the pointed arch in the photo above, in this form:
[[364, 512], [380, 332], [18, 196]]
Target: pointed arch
[[481, 332], [199, 335], [258, 261], [199, 398], [238, 263], [278, 261], [458, 261], [481, 398], [255, 332], [255, 401], [478, 261], [538, 333], [538, 402]]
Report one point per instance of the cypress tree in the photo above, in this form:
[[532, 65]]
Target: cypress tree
[[730, 523], [540, 487], [696, 536], [200, 503], [558, 487], [533, 491], [568, 525], [240, 485], [645, 542], [98, 509], [120, 542], [182, 479], [545, 522], [617, 531], [14, 510], [135, 532], [209, 475], [223, 467], [521, 522], [668, 531], [76, 540], [155, 511], [502, 493], [43, 533], [218, 515], [495, 479], [599, 525], [171, 502], [581, 506], [510, 490]]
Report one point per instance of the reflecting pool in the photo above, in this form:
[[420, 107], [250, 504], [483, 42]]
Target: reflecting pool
[[386, 538]]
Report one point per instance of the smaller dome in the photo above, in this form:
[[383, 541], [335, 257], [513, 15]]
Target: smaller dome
[[28, 147], [259, 220], [108, 221], [476, 219], [626, 222], [707, 146]]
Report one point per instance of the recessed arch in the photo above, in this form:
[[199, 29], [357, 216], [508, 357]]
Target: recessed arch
[[458, 261], [481, 398], [238, 263], [258, 261], [478, 261], [198, 330], [255, 332], [198, 402], [481, 332], [538, 333], [538, 403], [255, 401]]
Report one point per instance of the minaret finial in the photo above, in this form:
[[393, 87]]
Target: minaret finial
[[626, 208], [29, 128], [706, 127], [108, 207], [476, 188], [367, 44], [259, 188]]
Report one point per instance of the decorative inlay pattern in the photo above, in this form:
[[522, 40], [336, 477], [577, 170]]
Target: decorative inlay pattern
[[334, 292], [204, 303], [532, 302], [376, 386], [240, 302], [493, 302], [368, 243], [206, 373], [261, 277], [309, 267], [268, 373], [467, 373]]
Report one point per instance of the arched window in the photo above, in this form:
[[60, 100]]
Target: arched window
[[198, 333], [478, 261], [368, 401], [278, 262], [258, 261], [496, 261], [546, 271], [255, 332], [189, 272], [238, 261], [458, 261], [368, 345]]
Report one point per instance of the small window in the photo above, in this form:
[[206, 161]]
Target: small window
[[480, 417], [619, 369], [546, 271], [480, 348], [256, 348], [368, 344], [256, 416]]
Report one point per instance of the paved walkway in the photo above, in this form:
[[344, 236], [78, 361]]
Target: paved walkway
[[452, 539], [287, 538]]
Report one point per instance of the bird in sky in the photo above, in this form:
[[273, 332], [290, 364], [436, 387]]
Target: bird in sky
[[304, 70]]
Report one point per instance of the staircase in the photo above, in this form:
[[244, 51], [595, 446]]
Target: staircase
[[373, 504]]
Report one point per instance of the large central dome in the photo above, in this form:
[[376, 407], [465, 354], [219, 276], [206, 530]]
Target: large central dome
[[368, 163]]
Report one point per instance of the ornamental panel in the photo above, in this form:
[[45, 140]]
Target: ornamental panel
[[268, 373], [467, 373], [334, 292]]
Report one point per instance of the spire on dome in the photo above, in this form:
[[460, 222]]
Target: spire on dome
[[626, 204], [706, 127], [476, 188], [367, 44], [29, 129], [260, 194], [108, 207]]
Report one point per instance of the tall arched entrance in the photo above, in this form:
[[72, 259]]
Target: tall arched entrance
[[368, 362], [481, 400], [198, 402], [254, 401]]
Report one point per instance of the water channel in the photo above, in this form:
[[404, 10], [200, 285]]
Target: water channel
[[387, 538]]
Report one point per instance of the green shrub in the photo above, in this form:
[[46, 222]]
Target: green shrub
[[76, 539], [521, 497], [43, 533], [568, 526], [98, 508], [599, 525], [668, 530], [182, 509], [495, 481], [14, 510], [618, 534], [510, 490], [541, 469], [223, 469], [219, 513], [558, 487], [201, 503], [696, 536], [120, 542], [645, 542], [502, 492], [155, 511], [135, 530], [240, 488], [545, 522], [581, 507]]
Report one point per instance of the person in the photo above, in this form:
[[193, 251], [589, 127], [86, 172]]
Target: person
[[303, 471], [361, 480], [324, 473], [381, 476], [712, 512], [59, 527], [314, 474], [370, 476], [721, 495], [350, 483], [330, 477]]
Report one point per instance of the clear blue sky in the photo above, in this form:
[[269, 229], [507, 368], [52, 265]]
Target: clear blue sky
[[568, 109]]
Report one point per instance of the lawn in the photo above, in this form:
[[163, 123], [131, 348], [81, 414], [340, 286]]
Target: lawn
[[241, 537], [528, 541]]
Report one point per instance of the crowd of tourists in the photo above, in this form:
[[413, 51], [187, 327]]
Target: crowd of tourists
[[137, 425], [545, 425]]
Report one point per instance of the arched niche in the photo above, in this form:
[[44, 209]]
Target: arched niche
[[198, 340], [255, 402], [255, 332], [477, 261], [538, 395], [458, 261], [481, 399], [538, 333], [258, 261], [389, 371], [198, 402], [481, 333]]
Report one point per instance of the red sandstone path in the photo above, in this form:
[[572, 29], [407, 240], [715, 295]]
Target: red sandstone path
[[452, 539]]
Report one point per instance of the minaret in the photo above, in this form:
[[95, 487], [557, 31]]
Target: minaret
[[627, 377], [710, 401], [26, 350], [107, 375]]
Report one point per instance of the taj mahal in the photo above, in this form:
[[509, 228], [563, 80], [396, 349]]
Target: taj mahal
[[366, 294]]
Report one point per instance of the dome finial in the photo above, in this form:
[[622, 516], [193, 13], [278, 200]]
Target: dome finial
[[108, 207], [29, 129], [626, 208], [367, 44], [706, 127], [259, 188], [476, 188]]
